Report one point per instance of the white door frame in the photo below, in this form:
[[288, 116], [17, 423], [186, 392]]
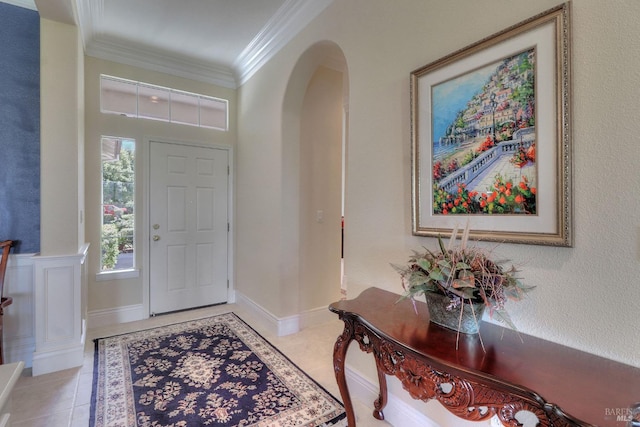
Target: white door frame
[[146, 224]]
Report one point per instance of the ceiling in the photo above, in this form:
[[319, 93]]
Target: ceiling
[[217, 41]]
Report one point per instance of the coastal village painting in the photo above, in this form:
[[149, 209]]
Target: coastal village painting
[[484, 140]]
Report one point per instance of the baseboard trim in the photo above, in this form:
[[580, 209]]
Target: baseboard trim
[[20, 350], [279, 326], [397, 412], [316, 316], [45, 362], [57, 360], [114, 316]]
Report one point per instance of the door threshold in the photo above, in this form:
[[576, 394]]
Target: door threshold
[[187, 309]]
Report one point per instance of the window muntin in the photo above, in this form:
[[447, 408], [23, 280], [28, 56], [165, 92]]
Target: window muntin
[[185, 108], [143, 100], [118, 96], [153, 102], [117, 241], [213, 113]]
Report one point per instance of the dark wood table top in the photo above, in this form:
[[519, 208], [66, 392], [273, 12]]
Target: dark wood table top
[[588, 387]]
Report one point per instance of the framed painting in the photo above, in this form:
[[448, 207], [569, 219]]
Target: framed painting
[[491, 143]]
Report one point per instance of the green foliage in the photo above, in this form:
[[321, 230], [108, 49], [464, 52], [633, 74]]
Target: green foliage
[[117, 237], [109, 246], [468, 158], [464, 274], [118, 180], [525, 93], [118, 190], [125, 233]]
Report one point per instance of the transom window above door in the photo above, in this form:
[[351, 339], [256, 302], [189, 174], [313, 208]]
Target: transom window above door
[[147, 101]]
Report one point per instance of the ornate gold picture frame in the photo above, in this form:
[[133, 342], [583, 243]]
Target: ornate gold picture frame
[[491, 140]]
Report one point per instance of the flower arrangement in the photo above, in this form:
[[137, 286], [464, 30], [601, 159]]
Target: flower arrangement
[[465, 275]]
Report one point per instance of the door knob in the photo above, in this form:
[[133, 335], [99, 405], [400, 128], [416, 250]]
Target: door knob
[[156, 238]]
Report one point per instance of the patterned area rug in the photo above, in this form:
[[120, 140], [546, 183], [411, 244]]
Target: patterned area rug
[[216, 371]]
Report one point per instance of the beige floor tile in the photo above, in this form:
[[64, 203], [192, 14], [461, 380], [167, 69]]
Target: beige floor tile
[[38, 399], [58, 419], [27, 379], [364, 416], [80, 416], [85, 386]]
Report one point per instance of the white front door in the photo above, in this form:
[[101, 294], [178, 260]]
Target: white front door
[[188, 216]]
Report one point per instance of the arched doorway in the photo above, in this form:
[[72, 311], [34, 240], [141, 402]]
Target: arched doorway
[[314, 147]]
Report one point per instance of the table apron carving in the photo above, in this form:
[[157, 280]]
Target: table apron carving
[[423, 380]]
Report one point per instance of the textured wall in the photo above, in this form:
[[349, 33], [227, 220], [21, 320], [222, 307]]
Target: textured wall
[[20, 127], [587, 296]]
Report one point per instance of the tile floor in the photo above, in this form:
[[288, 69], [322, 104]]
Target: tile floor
[[63, 399]]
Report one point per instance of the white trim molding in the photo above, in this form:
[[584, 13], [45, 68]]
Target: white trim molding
[[114, 316], [396, 412], [60, 311], [280, 326], [284, 25], [19, 330], [27, 4], [288, 325]]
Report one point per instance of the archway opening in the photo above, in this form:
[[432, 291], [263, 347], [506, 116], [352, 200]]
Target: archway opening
[[315, 117]]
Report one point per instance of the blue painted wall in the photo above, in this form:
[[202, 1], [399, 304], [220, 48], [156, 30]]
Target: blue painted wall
[[20, 127]]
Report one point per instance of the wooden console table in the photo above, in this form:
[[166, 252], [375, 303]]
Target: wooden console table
[[560, 385]]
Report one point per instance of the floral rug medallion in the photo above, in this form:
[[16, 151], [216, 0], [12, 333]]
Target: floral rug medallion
[[215, 371]]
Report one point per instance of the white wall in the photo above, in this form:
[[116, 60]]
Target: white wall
[[586, 296], [320, 190]]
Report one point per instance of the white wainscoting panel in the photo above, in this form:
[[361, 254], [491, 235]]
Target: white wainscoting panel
[[60, 311], [19, 330]]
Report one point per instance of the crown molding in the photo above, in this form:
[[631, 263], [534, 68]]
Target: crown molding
[[98, 45], [27, 4], [288, 21], [284, 25], [89, 14], [136, 56]]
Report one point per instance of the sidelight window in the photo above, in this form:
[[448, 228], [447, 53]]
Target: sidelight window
[[117, 241]]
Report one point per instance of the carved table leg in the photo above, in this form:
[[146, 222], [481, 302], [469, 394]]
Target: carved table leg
[[381, 401], [339, 355]]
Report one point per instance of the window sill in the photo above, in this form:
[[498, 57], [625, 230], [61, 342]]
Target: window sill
[[117, 275]]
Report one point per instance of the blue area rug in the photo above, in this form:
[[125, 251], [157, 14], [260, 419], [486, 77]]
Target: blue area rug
[[216, 371]]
